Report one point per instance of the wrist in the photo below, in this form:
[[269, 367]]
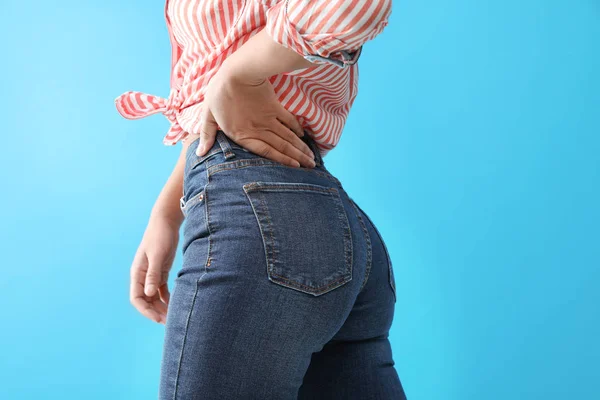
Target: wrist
[[174, 218], [233, 70], [262, 57]]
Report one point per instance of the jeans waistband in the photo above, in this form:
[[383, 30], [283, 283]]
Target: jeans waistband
[[225, 145]]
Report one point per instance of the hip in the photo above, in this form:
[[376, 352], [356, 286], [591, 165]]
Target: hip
[[239, 206], [228, 165]]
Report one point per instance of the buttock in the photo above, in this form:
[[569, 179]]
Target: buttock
[[274, 259], [294, 218]]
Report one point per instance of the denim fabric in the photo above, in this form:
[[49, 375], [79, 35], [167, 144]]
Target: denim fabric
[[286, 290]]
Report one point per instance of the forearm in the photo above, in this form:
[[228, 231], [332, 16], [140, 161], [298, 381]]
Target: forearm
[[167, 203], [261, 57], [289, 40]]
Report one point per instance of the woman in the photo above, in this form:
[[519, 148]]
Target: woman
[[286, 289]]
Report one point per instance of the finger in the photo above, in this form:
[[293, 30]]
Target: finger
[[138, 276], [289, 120], [286, 142], [208, 132], [148, 310], [152, 309], [160, 308], [136, 290], [264, 149], [285, 133], [153, 276], [163, 291], [295, 139]]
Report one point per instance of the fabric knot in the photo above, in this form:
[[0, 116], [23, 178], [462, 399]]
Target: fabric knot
[[136, 105]]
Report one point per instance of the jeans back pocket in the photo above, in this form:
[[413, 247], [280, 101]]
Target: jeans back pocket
[[306, 235]]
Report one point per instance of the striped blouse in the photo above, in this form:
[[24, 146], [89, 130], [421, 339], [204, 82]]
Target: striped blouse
[[329, 33]]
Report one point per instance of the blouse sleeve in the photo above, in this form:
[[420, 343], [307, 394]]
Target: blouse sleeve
[[327, 31]]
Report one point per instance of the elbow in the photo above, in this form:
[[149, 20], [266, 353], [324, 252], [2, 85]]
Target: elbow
[[374, 17], [350, 23], [370, 20]]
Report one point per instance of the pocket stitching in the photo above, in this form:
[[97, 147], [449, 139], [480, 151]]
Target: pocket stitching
[[259, 186], [193, 201], [262, 162], [287, 187]]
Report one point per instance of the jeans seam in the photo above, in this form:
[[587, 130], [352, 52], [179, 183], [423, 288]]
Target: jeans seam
[[189, 317], [267, 244], [254, 162], [369, 246], [387, 254], [187, 324], [348, 245], [288, 187], [207, 211], [389, 261]]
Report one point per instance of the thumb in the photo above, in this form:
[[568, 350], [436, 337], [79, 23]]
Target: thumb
[[208, 132], [152, 277]]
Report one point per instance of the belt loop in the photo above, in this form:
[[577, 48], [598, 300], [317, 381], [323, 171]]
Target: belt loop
[[225, 144]]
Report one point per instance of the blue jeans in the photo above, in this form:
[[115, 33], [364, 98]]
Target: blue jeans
[[286, 290]]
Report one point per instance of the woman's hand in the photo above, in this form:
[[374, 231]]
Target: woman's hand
[[249, 112], [153, 260]]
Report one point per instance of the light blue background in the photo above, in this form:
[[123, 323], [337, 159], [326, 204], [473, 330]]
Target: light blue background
[[473, 144]]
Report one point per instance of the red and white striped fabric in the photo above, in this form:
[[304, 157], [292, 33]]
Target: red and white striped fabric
[[326, 32]]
